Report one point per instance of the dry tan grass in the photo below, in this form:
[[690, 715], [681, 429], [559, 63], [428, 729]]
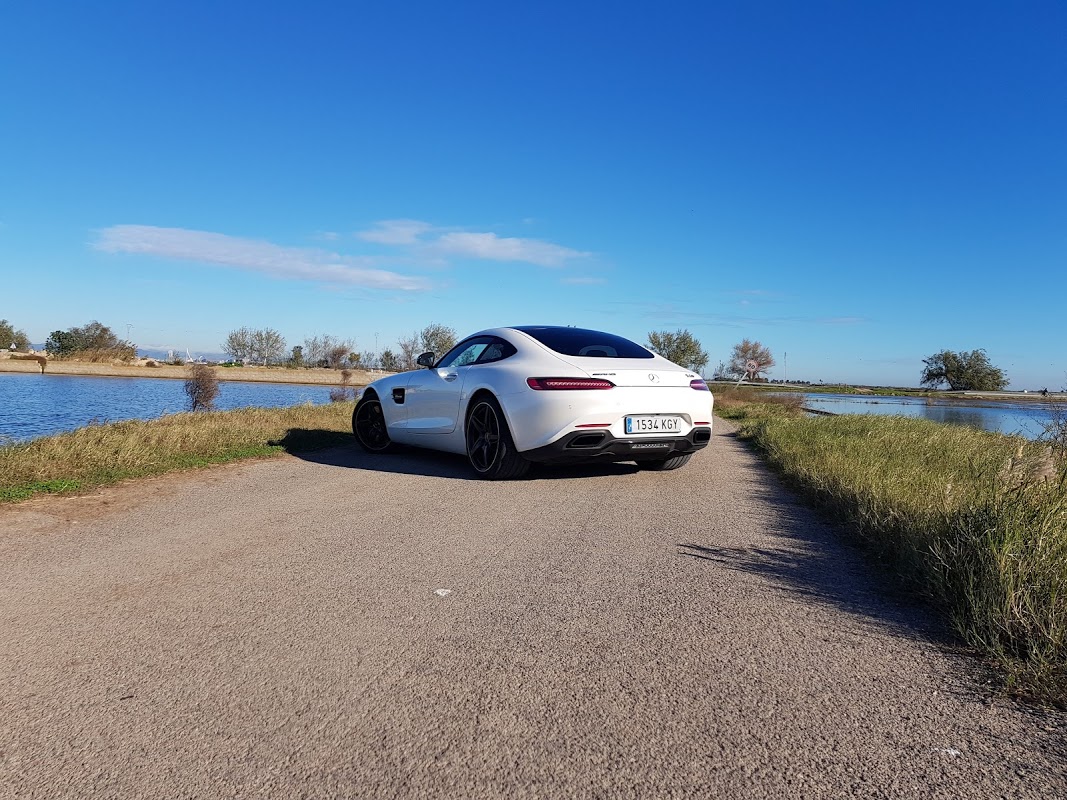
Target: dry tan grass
[[977, 521], [97, 455]]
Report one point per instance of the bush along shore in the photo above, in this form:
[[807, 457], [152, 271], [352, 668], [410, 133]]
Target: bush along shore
[[98, 455], [975, 522]]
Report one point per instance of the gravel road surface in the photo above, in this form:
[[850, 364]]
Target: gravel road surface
[[348, 626]]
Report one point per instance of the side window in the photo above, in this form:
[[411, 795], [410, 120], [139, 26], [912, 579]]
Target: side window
[[464, 353], [497, 350]]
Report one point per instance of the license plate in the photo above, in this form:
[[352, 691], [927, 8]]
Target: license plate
[[653, 424]]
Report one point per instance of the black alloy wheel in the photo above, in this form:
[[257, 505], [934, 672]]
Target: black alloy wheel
[[490, 447], [368, 424]]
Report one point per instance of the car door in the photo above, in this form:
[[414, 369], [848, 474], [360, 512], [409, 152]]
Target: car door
[[433, 396]]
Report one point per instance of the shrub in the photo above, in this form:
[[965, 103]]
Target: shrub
[[202, 386]]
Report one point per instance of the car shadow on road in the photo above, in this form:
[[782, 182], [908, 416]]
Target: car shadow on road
[[338, 449], [819, 562]]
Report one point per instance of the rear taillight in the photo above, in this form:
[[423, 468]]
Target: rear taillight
[[568, 384], [699, 385]]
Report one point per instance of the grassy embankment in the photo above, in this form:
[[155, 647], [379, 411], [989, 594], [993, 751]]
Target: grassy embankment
[[98, 455], [976, 522]]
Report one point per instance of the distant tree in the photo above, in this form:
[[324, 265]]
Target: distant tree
[[313, 350], [60, 344], [94, 338], [437, 339], [680, 347], [409, 351], [11, 338], [202, 387], [238, 345], [327, 351], [336, 354], [722, 372], [389, 361], [962, 371], [296, 360], [268, 346], [364, 360], [750, 359]]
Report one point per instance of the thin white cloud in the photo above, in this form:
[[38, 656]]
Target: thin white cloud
[[491, 247], [431, 241], [295, 263], [396, 231]]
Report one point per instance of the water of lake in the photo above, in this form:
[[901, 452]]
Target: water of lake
[[1003, 416], [37, 405]]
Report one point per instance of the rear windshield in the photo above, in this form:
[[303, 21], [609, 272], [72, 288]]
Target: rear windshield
[[581, 342]]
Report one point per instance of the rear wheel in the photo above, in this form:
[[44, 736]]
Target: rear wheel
[[368, 424], [490, 448], [662, 465]]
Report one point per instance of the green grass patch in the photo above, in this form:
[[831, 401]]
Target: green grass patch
[[27, 490], [98, 455], [974, 521]]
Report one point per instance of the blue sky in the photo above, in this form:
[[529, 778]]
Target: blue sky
[[857, 185]]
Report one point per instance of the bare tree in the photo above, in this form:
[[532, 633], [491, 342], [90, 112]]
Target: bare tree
[[268, 346], [409, 351], [327, 351], [749, 359], [312, 350], [238, 344]]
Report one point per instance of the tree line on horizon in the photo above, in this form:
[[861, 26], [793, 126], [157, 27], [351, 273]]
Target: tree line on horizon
[[749, 359]]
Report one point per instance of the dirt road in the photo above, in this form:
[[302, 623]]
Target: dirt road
[[359, 627]]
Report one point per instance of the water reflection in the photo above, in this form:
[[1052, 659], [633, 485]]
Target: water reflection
[[1025, 418]]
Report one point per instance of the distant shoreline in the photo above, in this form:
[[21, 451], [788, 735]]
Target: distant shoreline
[[313, 376], [316, 376]]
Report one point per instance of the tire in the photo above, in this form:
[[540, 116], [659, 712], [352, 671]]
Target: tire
[[674, 462], [490, 448], [368, 425]]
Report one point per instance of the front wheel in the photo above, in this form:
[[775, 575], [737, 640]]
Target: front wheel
[[368, 424], [662, 465], [490, 448]]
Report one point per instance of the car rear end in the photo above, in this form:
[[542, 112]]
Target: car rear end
[[610, 407]]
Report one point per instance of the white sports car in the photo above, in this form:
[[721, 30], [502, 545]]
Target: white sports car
[[509, 397]]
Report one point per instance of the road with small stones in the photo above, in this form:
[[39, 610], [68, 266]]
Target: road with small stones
[[342, 625]]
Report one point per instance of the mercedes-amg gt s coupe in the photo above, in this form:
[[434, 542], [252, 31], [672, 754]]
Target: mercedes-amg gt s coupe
[[510, 397]]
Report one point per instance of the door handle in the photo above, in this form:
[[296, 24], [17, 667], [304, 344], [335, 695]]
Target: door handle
[[451, 376]]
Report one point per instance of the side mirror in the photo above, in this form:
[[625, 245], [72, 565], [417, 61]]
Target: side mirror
[[425, 360]]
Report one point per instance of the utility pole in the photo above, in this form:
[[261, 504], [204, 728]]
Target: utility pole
[[786, 367]]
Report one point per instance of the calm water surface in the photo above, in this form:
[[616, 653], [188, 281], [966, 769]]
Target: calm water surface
[[37, 405], [1003, 416]]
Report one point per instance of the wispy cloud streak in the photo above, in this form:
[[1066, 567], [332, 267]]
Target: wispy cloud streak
[[426, 239], [295, 263]]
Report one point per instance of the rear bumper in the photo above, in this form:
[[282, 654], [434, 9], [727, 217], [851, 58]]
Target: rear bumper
[[600, 445]]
